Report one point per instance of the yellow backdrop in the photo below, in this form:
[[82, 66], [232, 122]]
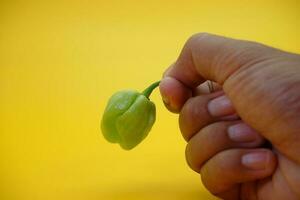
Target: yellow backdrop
[[61, 60]]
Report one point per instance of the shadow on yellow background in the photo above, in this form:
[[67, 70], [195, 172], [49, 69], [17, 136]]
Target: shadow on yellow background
[[61, 60]]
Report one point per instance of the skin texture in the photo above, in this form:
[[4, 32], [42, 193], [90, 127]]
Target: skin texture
[[257, 88]]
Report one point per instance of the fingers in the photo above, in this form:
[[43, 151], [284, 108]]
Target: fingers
[[209, 57], [228, 168], [262, 82], [218, 137], [202, 110], [174, 93]]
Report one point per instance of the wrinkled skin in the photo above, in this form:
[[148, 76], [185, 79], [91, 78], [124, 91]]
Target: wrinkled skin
[[261, 86]]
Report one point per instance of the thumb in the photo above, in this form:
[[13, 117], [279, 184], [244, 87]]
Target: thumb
[[263, 83]]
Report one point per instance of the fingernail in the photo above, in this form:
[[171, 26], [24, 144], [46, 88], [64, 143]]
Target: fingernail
[[255, 160], [220, 106], [162, 93], [241, 133]]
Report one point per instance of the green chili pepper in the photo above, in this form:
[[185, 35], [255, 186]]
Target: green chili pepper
[[128, 117]]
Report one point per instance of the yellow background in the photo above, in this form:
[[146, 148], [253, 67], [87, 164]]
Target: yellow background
[[61, 60]]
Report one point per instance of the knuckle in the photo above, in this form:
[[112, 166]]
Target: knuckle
[[198, 36], [195, 38], [208, 182], [201, 145], [192, 115], [193, 162], [218, 174]]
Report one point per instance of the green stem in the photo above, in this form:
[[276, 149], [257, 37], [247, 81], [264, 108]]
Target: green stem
[[147, 92]]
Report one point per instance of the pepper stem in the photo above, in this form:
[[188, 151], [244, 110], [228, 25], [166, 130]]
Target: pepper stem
[[147, 92]]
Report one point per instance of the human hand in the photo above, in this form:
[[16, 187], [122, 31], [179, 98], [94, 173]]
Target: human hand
[[260, 85]]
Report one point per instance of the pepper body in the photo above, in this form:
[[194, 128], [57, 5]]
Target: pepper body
[[128, 118]]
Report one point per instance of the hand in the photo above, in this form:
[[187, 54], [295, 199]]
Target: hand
[[244, 138]]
